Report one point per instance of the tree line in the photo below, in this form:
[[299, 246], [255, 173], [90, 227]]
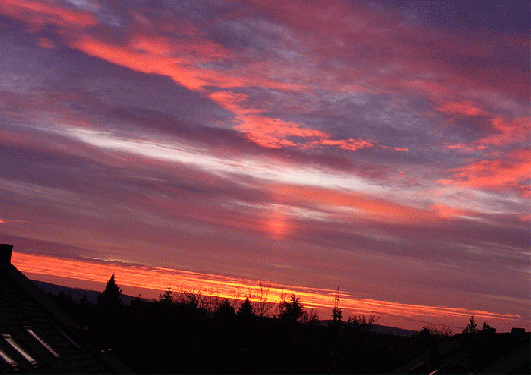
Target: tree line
[[187, 332]]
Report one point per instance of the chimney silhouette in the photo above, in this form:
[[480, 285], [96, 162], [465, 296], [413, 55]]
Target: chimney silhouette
[[6, 251]]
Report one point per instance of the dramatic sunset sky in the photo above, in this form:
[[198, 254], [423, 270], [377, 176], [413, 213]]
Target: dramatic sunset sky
[[379, 146]]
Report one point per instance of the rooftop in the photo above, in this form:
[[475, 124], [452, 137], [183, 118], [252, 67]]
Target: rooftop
[[36, 336]]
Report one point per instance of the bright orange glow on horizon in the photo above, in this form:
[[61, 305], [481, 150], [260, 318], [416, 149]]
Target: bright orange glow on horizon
[[158, 279]]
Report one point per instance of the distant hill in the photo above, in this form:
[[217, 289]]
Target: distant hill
[[76, 293], [377, 328], [92, 296], [392, 330]]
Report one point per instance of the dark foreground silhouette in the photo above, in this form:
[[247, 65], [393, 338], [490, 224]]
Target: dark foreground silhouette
[[189, 333]]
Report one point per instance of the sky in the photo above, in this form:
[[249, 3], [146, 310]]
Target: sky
[[382, 147]]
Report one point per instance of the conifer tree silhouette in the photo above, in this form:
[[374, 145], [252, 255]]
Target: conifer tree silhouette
[[111, 298], [471, 327], [246, 309], [337, 313], [109, 304], [292, 311], [224, 311], [167, 297]]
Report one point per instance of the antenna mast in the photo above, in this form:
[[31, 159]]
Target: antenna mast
[[336, 300]]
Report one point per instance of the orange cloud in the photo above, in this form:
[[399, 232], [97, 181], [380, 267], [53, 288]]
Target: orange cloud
[[275, 133], [511, 172], [506, 132], [428, 87], [149, 49], [45, 43], [232, 101], [464, 108], [350, 144], [448, 212], [152, 55], [39, 14], [178, 58], [362, 206], [458, 146], [149, 52], [515, 130], [142, 60], [265, 131]]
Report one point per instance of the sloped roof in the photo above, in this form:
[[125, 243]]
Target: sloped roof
[[36, 336], [482, 353]]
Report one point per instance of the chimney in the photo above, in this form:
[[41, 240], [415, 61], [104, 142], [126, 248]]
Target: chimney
[[6, 251]]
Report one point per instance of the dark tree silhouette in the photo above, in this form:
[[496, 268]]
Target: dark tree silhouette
[[224, 311], [192, 300], [488, 329], [292, 311], [217, 339], [85, 310], [313, 317], [109, 304], [264, 306], [111, 297], [471, 327], [246, 309], [435, 330], [361, 323], [167, 297], [337, 315]]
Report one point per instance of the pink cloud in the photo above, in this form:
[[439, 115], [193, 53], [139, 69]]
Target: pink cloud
[[275, 133], [38, 14], [316, 36], [45, 43], [144, 60], [464, 108], [508, 131], [509, 173], [504, 133]]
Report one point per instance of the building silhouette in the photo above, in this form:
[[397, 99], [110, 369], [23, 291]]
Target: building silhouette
[[36, 336]]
